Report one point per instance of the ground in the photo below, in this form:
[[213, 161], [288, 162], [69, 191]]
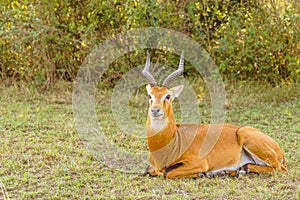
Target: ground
[[43, 157]]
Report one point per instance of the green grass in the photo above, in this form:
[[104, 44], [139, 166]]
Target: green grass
[[42, 156]]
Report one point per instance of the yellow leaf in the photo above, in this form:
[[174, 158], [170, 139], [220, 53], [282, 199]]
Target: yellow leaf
[[15, 4], [82, 44]]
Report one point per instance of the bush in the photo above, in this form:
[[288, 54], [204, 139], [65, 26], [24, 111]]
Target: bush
[[44, 41], [264, 46]]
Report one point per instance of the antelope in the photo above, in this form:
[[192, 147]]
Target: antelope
[[174, 149]]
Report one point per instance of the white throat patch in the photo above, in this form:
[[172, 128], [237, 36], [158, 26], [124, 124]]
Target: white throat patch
[[158, 124]]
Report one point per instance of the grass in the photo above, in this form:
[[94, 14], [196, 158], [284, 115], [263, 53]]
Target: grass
[[43, 157]]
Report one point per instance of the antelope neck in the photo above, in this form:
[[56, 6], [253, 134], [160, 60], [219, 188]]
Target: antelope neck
[[159, 138]]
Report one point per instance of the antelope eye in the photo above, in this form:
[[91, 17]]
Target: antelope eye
[[168, 97], [149, 96]]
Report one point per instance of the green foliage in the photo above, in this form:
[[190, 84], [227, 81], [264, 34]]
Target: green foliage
[[47, 41], [264, 46]]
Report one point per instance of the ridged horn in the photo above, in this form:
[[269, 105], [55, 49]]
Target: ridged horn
[[175, 74], [146, 72]]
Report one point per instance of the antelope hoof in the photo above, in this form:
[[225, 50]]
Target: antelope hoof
[[148, 173], [247, 170], [240, 173], [201, 175], [221, 174], [208, 175]]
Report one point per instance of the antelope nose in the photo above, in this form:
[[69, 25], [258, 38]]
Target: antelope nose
[[155, 110]]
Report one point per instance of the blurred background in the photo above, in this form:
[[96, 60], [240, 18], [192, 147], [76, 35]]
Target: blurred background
[[43, 42]]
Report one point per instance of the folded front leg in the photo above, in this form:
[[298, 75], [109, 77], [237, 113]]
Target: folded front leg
[[186, 169]]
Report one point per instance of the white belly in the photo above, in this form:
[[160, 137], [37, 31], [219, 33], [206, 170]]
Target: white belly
[[246, 158]]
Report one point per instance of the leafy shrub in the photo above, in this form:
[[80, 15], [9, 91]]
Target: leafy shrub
[[262, 47], [45, 41]]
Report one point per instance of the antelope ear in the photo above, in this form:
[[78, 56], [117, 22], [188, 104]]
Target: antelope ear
[[177, 90], [148, 87]]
